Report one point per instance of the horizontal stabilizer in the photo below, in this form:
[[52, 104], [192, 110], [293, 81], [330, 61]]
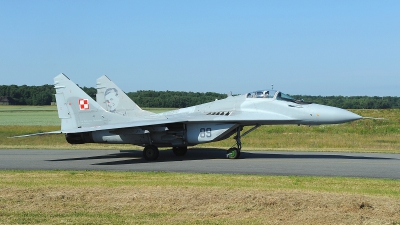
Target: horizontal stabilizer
[[38, 134]]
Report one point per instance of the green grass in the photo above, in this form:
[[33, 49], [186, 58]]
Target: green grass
[[14, 108], [29, 116], [39, 179], [98, 197]]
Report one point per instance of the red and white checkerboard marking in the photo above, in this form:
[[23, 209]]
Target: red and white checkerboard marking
[[84, 104]]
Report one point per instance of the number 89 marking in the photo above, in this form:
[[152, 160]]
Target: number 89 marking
[[205, 132]]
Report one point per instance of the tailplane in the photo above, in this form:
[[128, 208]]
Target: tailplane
[[114, 100]]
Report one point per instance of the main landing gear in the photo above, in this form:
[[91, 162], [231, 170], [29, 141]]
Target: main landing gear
[[151, 152], [234, 152]]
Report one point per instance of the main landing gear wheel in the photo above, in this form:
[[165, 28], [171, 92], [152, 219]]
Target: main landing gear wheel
[[179, 151], [150, 153], [233, 153]]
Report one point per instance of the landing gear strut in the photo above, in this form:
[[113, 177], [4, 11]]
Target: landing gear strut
[[234, 152], [150, 152]]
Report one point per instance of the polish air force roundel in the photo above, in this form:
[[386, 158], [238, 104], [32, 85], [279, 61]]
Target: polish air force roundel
[[84, 104]]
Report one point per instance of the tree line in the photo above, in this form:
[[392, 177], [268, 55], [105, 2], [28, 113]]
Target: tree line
[[28, 95], [172, 99], [34, 95], [44, 95], [353, 102]]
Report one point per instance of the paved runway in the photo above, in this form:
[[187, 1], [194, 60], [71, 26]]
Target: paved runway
[[209, 161]]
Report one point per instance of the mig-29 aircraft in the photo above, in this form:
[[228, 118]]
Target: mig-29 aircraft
[[116, 119]]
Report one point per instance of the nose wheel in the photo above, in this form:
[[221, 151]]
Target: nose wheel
[[234, 152]]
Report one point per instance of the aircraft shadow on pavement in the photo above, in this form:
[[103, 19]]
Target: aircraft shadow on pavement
[[135, 156]]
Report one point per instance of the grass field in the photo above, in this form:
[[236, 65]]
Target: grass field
[[89, 197], [96, 197]]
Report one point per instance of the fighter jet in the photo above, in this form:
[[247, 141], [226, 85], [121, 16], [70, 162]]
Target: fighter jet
[[115, 119]]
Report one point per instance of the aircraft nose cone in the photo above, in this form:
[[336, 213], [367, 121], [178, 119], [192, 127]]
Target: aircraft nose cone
[[333, 115], [343, 115]]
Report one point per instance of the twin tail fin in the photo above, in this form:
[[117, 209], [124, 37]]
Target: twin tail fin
[[76, 109], [114, 100]]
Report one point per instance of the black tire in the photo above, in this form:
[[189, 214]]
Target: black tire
[[179, 151], [233, 153], [150, 153]]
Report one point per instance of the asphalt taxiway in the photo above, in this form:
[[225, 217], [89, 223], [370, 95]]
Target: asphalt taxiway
[[371, 165]]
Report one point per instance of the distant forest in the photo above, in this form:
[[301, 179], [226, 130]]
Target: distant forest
[[44, 95]]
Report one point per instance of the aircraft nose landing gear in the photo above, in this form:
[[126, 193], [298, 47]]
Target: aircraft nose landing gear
[[234, 152]]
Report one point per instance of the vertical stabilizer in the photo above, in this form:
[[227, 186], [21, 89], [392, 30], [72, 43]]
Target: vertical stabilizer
[[76, 109], [114, 100]]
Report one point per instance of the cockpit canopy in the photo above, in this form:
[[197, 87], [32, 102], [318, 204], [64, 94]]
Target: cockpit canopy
[[273, 94], [262, 94]]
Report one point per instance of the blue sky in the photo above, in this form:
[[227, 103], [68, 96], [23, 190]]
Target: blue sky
[[301, 47]]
